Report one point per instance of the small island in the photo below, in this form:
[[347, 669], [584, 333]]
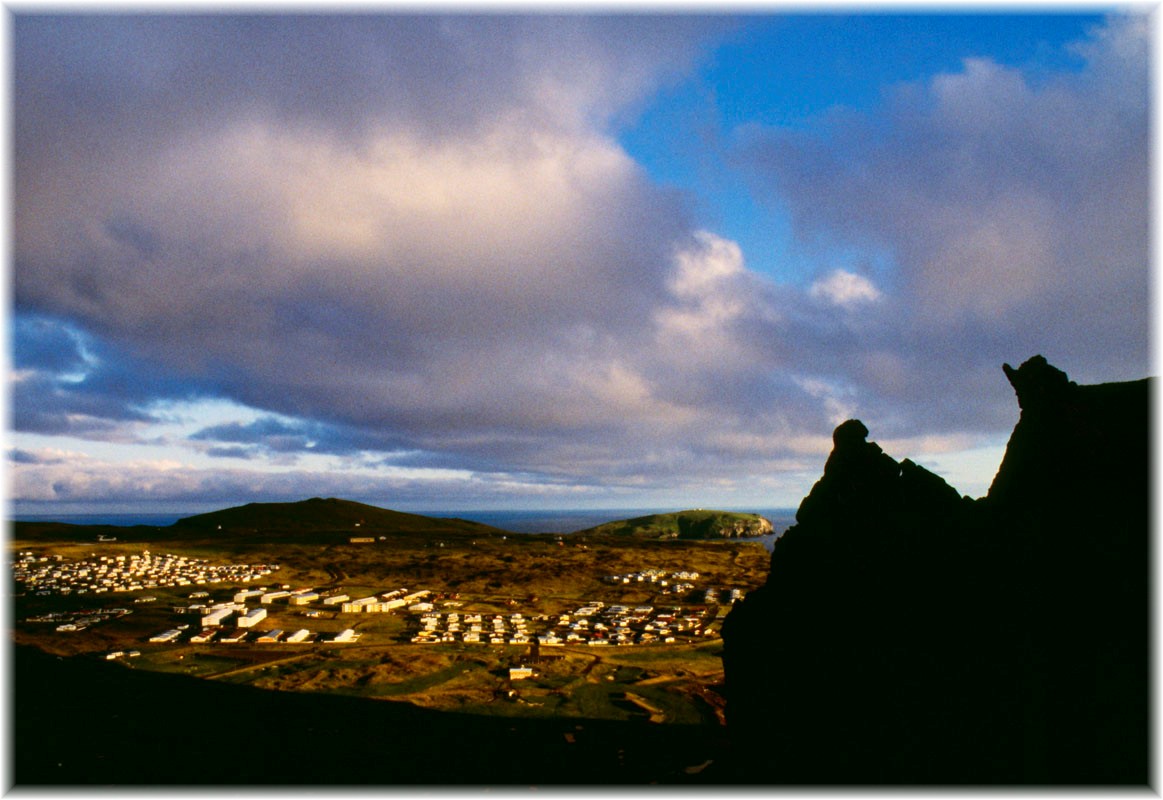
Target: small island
[[694, 524]]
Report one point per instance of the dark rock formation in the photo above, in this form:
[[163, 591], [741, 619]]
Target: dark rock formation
[[907, 635]]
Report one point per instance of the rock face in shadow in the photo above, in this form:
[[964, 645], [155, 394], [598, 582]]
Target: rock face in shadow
[[908, 635]]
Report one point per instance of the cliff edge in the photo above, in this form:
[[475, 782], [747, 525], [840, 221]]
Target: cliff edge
[[907, 635]]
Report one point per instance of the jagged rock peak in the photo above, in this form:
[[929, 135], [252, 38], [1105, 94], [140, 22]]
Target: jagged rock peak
[[849, 434], [1037, 383], [903, 626]]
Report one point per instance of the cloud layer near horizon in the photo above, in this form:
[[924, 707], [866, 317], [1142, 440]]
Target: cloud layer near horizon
[[414, 243]]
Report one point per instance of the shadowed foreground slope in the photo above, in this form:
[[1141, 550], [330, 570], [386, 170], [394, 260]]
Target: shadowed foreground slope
[[907, 635], [80, 722]]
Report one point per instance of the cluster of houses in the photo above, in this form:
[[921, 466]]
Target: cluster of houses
[[214, 618], [386, 602], [672, 583], [592, 624], [472, 628], [242, 635], [126, 573], [655, 576], [71, 621], [235, 622], [713, 595]]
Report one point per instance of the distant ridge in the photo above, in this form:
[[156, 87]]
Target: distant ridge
[[324, 514]]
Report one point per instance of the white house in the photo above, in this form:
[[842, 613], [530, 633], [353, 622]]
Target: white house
[[252, 617], [216, 617]]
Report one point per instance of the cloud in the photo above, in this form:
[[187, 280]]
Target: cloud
[[20, 456], [432, 75], [1011, 213], [421, 243], [845, 289], [68, 381], [246, 453], [41, 479], [371, 273], [413, 246]]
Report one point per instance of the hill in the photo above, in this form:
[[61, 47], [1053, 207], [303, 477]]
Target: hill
[[330, 514], [694, 524], [909, 635]]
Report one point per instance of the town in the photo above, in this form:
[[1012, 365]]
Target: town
[[237, 620], [46, 575], [592, 624]]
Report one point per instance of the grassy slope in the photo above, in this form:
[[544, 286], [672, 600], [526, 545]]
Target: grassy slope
[[302, 518], [326, 514]]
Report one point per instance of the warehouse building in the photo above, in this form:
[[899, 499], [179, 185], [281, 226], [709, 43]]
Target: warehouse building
[[252, 617]]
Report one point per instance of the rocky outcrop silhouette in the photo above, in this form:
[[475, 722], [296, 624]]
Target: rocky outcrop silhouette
[[909, 635]]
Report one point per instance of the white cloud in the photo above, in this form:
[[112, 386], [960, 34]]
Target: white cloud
[[837, 401], [846, 289], [705, 283]]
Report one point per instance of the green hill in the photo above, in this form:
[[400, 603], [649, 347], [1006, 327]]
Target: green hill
[[694, 524], [330, 514]]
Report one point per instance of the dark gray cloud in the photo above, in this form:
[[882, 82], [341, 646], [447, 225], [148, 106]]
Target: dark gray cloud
[[277, 435], [18, 456], [245, 453], [133, 82], [67, 381], [40, 343]]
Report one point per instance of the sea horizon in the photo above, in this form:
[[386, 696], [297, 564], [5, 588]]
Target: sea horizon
[[512, 520]]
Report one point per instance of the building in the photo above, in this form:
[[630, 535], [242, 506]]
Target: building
[[362, 605], [216, 617], [252, 617]]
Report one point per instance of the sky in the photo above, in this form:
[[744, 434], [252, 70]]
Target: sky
[[548, 259]]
